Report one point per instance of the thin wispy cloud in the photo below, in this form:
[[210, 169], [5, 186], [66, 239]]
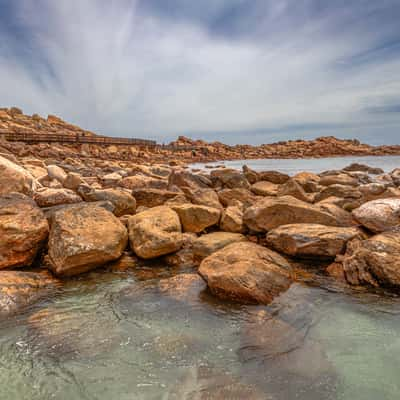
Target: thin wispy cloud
[[233, 70]]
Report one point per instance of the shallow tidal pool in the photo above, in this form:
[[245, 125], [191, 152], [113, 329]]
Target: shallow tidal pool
[[134, 335]]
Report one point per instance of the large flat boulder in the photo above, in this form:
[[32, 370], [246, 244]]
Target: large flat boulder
[[246, 272], [271, 213], [195, 218], [312, 240], [155, 232], [14, 178], [84, 238], [23, 230], [207, 244], [19, 289], [379, 215], [375, 261]]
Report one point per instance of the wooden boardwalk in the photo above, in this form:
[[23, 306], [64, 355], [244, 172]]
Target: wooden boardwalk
[[30, 137]]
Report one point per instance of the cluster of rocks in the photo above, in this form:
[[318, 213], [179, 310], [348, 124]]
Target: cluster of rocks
[[183, 150], [243, 230]]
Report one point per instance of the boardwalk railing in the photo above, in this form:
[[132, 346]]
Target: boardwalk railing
[[29, 137]]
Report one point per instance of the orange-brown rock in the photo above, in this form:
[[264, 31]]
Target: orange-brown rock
[[379, 215], [195, 218], [375, 261], [23, 230], [271, 213], [209, 243], [246, 272], [312, 240], [48, 197], [155, 232], [84, 238], [14, 178]]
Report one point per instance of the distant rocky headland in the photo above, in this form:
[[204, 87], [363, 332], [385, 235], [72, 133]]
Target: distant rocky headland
[[16, 126]]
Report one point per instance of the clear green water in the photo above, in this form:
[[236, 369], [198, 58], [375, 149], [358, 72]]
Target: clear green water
[[117, 336]]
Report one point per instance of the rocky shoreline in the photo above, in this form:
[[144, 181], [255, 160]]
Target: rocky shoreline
[[181, 151], [244, 233]]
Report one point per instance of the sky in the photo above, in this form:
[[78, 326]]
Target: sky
[[236, 71]]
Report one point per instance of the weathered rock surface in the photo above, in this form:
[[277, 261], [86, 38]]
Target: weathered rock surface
[[312, 240], [204, 197], [271, 213], [379, 215], [212, 242], [57, 173], [23, 230], [232, 220], [14, 178], [294, 189], [142, 181], [230, 178], [155, 232], [343, 191], [247, 198], [246, 272], [274, 177], [265, 188], [48, 197], [18, 290], [339, 179], [375, 261], [148, 197], [123, 202], [83, 238], [195, 218]]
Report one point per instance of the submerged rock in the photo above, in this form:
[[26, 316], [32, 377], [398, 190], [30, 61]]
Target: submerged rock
[[183, 287], [379, 215], [19, 290], [246, 272], [155, 232], [311, 240], [23, 230], [84, 238]]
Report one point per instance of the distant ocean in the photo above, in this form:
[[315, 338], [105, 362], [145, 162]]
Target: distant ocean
[[316, 165]]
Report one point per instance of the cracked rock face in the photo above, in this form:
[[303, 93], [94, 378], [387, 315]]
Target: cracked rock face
[[83, 238]]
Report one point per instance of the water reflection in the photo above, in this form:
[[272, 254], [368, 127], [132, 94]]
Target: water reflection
[[153, 333]]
